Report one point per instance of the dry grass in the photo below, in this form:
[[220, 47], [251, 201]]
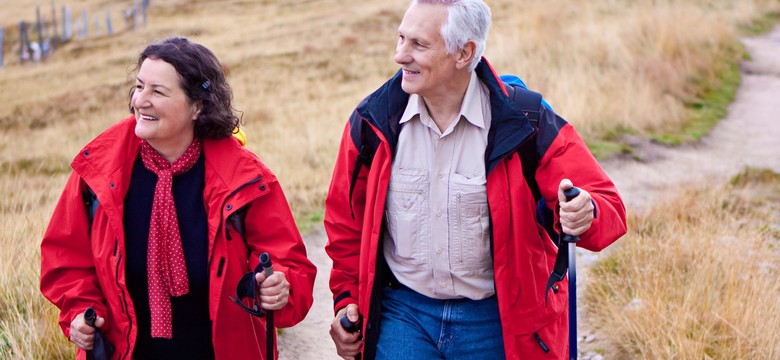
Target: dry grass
[[298, 67], [28, 323], [697, 277]]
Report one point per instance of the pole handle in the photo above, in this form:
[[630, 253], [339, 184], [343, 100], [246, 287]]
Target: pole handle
[[349, 326], [90, 316], [571, 193], [265, 262]]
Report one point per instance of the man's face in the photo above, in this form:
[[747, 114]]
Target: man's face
[[421, 52]]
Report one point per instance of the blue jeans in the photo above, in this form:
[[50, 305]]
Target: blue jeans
[[414, 326]]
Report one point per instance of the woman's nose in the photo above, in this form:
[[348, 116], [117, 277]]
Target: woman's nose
[[139, 99]]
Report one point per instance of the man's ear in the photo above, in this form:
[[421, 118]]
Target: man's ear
[[466, 54]]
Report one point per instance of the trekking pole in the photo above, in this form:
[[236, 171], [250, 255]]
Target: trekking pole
[[101, 348], [572, 240], [268, 270]]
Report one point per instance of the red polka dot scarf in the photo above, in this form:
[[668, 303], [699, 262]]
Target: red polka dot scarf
[[166, 269]]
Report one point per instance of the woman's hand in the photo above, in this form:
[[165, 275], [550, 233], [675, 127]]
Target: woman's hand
[[82, 334], [274, 291]]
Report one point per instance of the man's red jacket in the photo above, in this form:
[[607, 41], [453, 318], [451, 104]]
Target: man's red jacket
[[523, 253]]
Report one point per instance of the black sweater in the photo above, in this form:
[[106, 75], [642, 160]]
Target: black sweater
[[191, 325]]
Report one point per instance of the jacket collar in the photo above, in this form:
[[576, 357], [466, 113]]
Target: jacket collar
[[509, 126], [106, 162]]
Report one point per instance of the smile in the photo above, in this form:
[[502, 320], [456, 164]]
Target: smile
[[149, 118], [410, 72]]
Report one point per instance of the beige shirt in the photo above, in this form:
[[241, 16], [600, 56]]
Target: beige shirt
[[438, 233]]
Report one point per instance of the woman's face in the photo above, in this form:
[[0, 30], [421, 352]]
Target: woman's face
[[164, 115]]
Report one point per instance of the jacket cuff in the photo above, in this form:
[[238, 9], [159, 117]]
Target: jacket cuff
[[342, 300]]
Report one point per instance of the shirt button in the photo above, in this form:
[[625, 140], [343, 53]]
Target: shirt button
[[443, 284], [437, 137], [441, 176], [438, 213], [439, 251]]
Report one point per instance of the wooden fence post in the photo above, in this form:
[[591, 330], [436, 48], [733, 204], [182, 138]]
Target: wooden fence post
[[1, 47], [39, 29], [24, 42], [66, 23], [97, 25], [109, 28], [144, 7], [84, 24], [54, 21], [135, 14]]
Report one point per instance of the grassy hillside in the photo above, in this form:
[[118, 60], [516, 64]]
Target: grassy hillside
[[298, 67]]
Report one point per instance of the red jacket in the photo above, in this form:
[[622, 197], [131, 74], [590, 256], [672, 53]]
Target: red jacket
[[78, 271], [523, 253]]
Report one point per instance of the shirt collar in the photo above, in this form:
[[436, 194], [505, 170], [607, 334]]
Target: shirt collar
[[413, 107], [471, 108]]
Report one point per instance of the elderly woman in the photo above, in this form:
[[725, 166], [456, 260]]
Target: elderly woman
[[182, 212]]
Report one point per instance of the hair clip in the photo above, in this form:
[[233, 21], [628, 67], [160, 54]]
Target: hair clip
[[205, 85]]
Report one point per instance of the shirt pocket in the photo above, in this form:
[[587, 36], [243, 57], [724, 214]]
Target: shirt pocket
[[469, 224], [407, 210]]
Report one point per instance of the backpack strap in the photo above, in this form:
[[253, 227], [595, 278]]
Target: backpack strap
[[90, 203], [236, 220], [530, 102], [367, 145]]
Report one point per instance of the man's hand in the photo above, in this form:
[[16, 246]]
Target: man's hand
[[82, 334], [576, 214], [348, 345]]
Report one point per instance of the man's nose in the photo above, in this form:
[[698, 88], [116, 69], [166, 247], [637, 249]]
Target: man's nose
[[401, 55]]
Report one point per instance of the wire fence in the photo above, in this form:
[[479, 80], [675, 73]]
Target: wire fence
[[40, 38]]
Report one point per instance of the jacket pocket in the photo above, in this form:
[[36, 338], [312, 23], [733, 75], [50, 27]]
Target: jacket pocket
[[469, 223], [549, 342]]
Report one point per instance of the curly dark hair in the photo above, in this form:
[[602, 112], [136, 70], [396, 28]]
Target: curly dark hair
[[202, 79]]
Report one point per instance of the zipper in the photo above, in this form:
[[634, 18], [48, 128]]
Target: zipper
[[221, 212], [406, 191], [221, 265], [541, 343], [123, 297], [457, 228], [222, 209]]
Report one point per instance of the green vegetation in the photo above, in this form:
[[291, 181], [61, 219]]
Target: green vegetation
[[712, 106], [762, 24]]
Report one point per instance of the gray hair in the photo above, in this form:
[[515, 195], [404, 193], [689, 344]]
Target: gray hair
[[466, 20]]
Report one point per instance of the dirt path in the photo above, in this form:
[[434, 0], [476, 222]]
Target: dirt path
[[749, 136]]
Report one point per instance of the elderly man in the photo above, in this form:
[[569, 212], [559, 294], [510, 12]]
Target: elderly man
[[437, 251]]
